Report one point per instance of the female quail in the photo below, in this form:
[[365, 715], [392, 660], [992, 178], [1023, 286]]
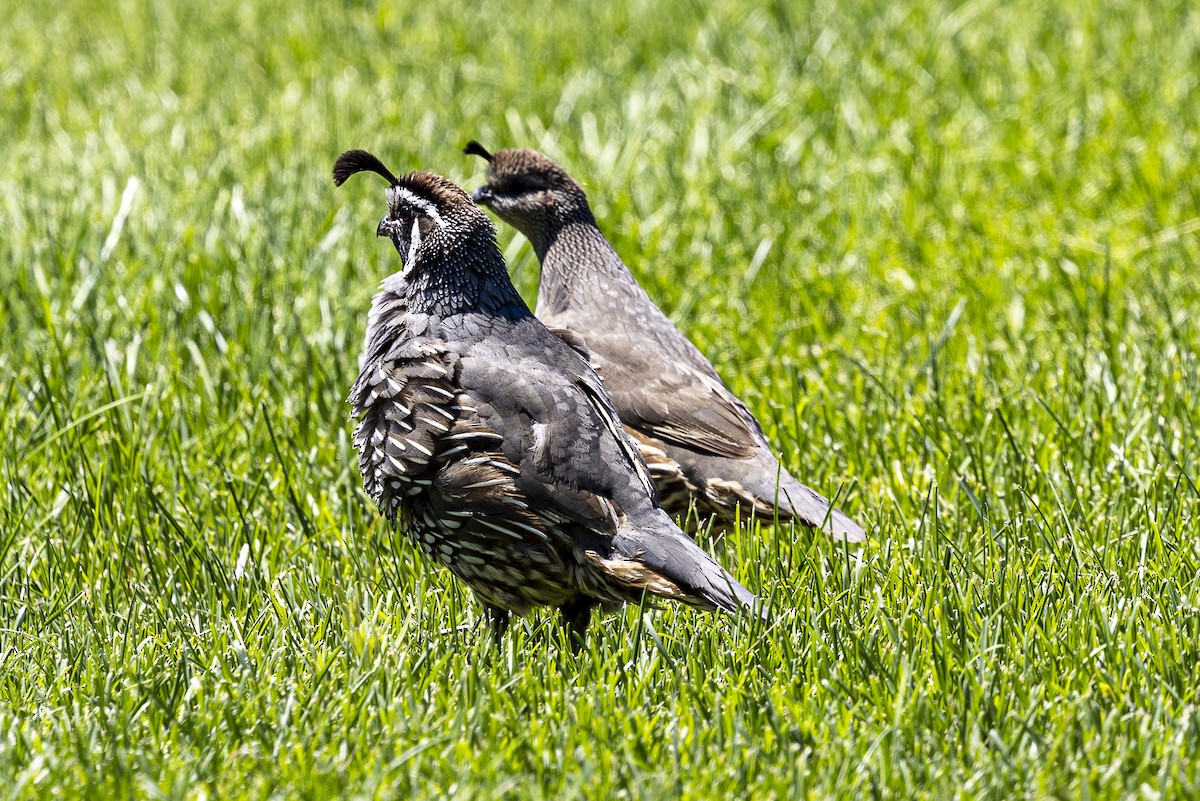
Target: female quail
[[702, 444]]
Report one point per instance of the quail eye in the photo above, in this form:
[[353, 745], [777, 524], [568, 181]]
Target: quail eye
[[521, 187]]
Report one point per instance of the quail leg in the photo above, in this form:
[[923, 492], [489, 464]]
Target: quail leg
[[498, 620], [577, 614]]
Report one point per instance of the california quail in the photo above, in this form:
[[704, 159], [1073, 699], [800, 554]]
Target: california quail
[[492, 443], [702, 444]]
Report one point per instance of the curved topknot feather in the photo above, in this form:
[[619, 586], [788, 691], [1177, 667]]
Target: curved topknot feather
[[473, 148], [356, 160]]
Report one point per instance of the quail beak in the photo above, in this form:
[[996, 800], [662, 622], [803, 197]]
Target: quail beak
[[482, 195], [394, 230]]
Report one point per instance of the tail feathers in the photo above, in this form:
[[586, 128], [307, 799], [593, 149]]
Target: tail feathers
[[810, 508], [667, 563]]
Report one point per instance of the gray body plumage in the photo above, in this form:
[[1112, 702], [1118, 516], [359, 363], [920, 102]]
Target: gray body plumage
[[493, 444], [702, 444]]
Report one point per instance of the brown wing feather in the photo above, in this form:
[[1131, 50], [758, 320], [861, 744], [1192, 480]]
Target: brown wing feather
[[404, 408], [674, 403], [434, 466], [683, 410]]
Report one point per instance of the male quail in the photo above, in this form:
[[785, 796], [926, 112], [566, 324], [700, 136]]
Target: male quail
[[702, 444], [492, 443]]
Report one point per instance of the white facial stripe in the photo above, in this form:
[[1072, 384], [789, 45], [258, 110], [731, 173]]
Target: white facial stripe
[[414, 243], [428, 209]]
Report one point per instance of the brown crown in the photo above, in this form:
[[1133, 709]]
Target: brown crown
[[442, 191]]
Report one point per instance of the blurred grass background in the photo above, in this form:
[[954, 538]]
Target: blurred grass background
[[946, 252]]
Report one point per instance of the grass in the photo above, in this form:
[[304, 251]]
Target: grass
[[946, 252]]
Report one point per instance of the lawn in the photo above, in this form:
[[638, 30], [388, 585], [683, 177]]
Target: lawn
[[947, 253]]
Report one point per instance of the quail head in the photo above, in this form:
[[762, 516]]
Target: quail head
[[492, 443], [704, 447]]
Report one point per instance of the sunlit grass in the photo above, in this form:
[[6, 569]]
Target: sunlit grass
[[946, 253]]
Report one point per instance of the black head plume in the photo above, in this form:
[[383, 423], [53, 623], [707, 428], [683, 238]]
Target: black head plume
[[353, 161], [473, 148]]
